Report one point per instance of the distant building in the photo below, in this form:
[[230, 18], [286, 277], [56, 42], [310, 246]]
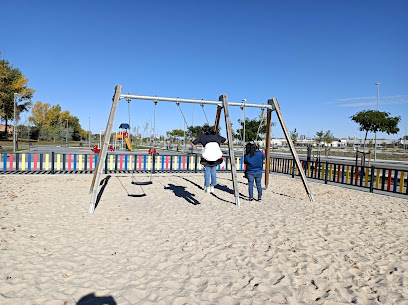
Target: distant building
[[337, 143], [10, 129]]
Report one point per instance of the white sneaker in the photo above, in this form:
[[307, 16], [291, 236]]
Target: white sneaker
[[212, 189], [207, 189]]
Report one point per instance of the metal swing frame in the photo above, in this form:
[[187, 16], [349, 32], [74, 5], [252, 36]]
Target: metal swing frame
[[222, 103]]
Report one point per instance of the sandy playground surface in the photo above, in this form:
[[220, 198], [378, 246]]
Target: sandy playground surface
[[179, 245]]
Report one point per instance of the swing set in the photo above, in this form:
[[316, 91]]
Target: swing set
[[222, 104]]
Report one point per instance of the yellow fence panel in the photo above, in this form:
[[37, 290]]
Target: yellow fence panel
[[377, 179], [366, 176], [23, 161], [347, 174], [58, 162], [47, 162]]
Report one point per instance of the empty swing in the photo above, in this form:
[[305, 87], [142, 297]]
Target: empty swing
[[152, 151]]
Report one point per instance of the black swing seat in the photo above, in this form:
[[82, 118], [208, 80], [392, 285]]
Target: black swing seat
[[142, 183], [141, 195]]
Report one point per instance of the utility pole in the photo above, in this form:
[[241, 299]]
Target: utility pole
[[375, 142], [15, 125], [66, 139], [89, 132]]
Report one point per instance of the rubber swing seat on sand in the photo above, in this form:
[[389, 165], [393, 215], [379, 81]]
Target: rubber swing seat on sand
[[142, 183]]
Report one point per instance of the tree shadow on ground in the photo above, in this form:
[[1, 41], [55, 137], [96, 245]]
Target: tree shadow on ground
[[180, 191], [104, 183], [92, 299]]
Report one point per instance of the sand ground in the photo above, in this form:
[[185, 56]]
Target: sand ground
[[179, 245]]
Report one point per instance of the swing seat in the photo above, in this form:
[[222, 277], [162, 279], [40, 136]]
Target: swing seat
[[138, 196], [142, 182]]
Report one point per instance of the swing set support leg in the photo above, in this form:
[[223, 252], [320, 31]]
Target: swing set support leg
[[268, 146], [217, 118], [104, 149], [224, 100], [275, 104]]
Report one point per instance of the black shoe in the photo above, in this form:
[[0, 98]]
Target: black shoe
[[251, 199]]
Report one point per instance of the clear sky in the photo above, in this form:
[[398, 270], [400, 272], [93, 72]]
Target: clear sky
[[320, 59]]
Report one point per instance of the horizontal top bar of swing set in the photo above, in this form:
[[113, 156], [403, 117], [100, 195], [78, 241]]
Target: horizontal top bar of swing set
[[191, 101]]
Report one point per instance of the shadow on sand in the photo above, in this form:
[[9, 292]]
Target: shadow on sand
[[104, 183], [219, 187], [180, 191], [92, 299]]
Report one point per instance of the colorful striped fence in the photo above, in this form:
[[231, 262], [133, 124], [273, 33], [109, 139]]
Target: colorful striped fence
[[384, 179], [53, 162], [389, 180]]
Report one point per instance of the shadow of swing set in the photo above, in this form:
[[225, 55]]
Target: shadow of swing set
[[222, 104]]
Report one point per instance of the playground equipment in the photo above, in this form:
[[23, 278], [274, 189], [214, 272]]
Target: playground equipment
[[97, 150], [128, 145], [221, 104], [124, 135], [362, 155], [152, 151]]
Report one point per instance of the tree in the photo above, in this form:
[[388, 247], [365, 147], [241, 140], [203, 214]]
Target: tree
[[376, 121], [145, 129], [319, 137], [255, 129], [294, 136], [195, 131], [13, 81], [175, 133], [51, 122], [136, 134], [328, 137]]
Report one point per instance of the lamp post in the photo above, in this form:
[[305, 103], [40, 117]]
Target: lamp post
[[15, 125], [66, 138], [89, 132], [375, 141], [100, 137]]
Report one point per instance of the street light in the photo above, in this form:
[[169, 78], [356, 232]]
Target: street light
[[375, 141], [66, 138], [14, 129], [89, 132], [100, 138]]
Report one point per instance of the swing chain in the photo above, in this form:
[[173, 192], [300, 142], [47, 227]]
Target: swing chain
[[260, 123], [178, 104], [202, 106]]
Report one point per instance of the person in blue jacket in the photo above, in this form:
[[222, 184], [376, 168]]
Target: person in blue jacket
[[254, 168]]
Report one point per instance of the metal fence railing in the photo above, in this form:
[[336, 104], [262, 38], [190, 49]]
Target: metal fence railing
[[372, 178]]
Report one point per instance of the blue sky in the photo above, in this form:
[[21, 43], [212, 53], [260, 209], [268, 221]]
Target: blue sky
[[320, 59]]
